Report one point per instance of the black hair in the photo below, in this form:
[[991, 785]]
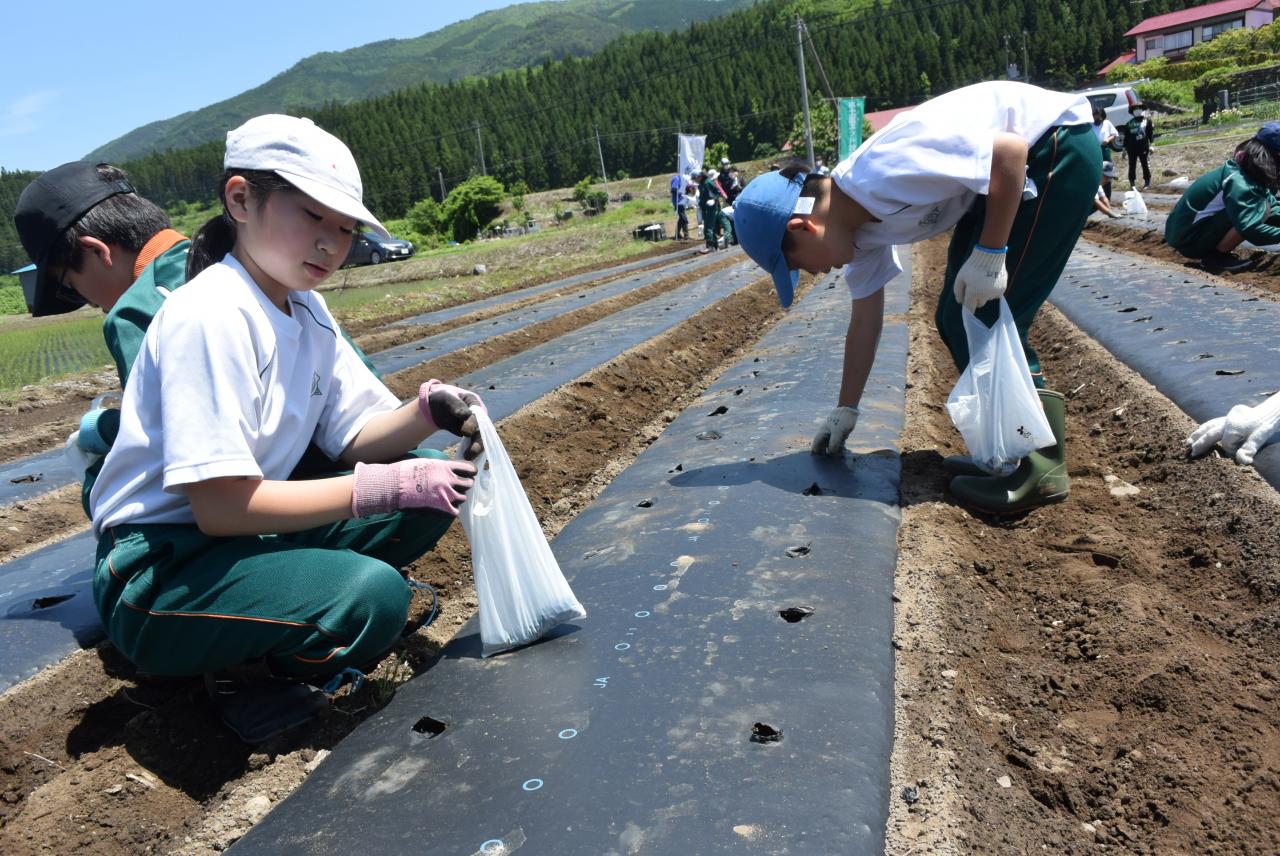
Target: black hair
[[1099, 115], [217, 236], [1259, 163], [124, 220], [815, 185]]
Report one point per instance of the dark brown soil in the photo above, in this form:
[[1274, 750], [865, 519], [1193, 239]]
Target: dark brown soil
[[1115, 657], [94, 760], [1264, 276]]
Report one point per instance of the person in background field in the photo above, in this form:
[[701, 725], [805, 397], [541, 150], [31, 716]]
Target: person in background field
[[1231, 204], [1138, 134], [978, 159], [710, 199], [682, 213], [695, 181], [1102, 202], [209, 560], [732, 184], [677, 187], [1108, 139], [819, 167]]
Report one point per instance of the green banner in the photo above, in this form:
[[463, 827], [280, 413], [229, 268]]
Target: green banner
[[851, 112]]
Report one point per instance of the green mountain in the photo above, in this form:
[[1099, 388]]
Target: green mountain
[[512, 37]]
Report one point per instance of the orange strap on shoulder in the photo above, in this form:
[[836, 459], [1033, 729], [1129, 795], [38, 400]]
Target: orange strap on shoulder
[[156, 246]]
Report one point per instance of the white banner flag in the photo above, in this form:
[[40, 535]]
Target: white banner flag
[[691, 148]]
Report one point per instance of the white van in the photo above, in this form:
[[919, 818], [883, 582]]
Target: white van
[[1115, 100]]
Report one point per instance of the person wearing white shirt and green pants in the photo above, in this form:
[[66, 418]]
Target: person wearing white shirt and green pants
[[1013, 169]]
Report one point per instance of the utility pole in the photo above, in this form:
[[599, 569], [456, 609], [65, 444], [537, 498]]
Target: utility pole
[[475, 123], [1026, 64], [600, 151], [443, 192], [804, 88]]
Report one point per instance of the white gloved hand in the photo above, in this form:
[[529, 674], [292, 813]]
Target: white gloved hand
[[78, 459], [1242, 432], [835, 429], [981, 278]]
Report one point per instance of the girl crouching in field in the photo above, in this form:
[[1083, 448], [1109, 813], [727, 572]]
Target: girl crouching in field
[[209, 558], [1231, 204]]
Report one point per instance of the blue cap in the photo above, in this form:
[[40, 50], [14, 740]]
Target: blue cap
[[1269, 136], [760, 215]]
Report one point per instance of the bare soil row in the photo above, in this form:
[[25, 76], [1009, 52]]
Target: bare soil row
[[1096, 676]]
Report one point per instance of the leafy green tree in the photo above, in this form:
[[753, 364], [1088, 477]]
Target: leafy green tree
[[518, 190], [825, 140], [581, 190], [715, 151], [595, 201], [764, 150], [425, 217], [471, 206]]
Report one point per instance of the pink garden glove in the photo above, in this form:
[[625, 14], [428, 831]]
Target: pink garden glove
[[449, 407], [440, 485]]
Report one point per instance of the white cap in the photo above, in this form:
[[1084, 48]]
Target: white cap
[[308, 157], [724, 161], [712, 174]]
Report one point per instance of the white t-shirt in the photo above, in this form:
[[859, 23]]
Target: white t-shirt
[[1105, 131], [921, 173], [226, 384]]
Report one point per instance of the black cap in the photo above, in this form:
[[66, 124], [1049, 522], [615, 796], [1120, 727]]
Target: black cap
[[48, 207]]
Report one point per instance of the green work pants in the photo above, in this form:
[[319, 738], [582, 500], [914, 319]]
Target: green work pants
[[710, 219], [178, 602], [1197, 240], [1066, 165], [726, 227]]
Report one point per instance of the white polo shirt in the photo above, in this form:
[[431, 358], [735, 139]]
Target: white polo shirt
[[226, 384], [921, 173]]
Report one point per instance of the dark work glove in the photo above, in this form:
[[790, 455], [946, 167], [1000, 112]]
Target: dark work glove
[[449, 407]]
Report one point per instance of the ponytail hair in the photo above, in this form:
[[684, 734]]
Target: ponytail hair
[[1259, 164], [217, 236]]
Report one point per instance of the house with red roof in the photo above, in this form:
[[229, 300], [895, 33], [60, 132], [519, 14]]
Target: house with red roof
[[1169, 35]]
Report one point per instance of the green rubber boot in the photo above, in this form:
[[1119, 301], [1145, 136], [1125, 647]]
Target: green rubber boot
[[1040, 479]]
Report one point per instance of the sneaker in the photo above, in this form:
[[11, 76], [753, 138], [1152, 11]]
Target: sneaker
[[256, 711], [1228, 262]]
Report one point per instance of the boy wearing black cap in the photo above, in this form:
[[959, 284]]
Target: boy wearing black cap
[[1013, 168], [1231, 204], [95, 240]]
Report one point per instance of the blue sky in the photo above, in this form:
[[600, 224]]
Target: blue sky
[[77, 74]]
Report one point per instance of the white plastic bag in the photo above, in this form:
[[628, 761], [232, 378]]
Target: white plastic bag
[[1182, 182], [521, 590], [994, 404], [1134, 204]]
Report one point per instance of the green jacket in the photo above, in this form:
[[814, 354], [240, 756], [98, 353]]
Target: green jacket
[[1247, 206], [127, 322], [709, 198]]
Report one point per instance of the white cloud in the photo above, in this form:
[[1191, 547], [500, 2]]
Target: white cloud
[[22, 115]]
